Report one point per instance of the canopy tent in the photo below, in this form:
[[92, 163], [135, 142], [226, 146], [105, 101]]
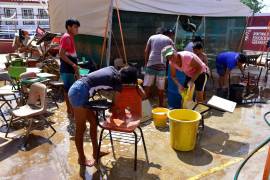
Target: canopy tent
[[93, 14], [213, 8]]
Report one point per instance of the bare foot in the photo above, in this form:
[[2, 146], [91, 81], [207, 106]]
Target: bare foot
[[89, 163]]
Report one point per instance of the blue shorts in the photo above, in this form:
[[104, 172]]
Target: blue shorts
[[78, 94], [68, 79], [220, 69]]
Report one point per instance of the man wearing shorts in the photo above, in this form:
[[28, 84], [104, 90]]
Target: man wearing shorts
[[68, 59], [225, 62], [155, 68]]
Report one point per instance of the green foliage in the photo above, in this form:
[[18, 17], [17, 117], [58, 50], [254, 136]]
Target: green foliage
[[255, 5]]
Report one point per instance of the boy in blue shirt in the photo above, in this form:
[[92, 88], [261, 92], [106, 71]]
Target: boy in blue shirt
[[225, 62]]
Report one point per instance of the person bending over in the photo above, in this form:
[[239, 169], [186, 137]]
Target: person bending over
[[107, 78], [227, 61], [191, 65]]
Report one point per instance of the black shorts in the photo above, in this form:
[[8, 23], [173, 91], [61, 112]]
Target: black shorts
[[200, 82]]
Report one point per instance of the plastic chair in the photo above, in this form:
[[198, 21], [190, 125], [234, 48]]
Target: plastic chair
[[16, 71], [17, 62], [36, 106], [126, 117], [26, 75], [4, 76]]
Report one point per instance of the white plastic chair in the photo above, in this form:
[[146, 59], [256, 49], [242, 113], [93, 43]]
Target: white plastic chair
[[36, 106], [34, 75]]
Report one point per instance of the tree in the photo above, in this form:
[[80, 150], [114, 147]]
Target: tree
[[255, 5]]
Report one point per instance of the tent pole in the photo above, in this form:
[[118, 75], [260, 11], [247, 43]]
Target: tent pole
[[104, 43], [121, 32], [105, 39], [176, 29], [108, 52]]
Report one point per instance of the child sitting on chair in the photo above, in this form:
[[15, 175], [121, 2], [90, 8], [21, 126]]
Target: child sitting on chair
[[107, 78]]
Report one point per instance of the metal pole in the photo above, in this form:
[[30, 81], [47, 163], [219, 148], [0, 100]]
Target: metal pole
[[108, 52], [176, 29], [204, 30]]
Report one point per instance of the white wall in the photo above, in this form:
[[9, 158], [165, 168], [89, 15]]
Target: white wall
[[35, 6]]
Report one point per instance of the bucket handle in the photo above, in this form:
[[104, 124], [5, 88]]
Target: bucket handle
[[208, 108]]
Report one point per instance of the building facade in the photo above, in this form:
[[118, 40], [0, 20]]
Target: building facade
[[22, 14]]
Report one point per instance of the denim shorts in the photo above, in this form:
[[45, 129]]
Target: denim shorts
[[78, 94], [68, 79]]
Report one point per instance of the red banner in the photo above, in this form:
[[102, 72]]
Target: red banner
[[257, 33]]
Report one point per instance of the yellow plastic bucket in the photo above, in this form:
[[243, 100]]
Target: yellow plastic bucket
[[183, 128], [160, 116]]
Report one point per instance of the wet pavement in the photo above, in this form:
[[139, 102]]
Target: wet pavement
[[225, 141], [221, 147]]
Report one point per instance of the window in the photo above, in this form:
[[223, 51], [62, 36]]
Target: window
[[42, 14], [10, 12], [28, 13]]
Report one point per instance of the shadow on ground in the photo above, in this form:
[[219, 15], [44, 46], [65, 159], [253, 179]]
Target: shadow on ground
[[215, 141], [122, 168], [15, 145], [219, 142]]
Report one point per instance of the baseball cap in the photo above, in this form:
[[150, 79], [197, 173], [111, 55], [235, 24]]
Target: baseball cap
[[167, 51]]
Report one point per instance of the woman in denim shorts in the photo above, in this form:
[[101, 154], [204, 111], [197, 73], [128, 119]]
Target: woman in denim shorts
[[107, 78]]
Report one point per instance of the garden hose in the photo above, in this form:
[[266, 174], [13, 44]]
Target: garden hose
[[254, 151]]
